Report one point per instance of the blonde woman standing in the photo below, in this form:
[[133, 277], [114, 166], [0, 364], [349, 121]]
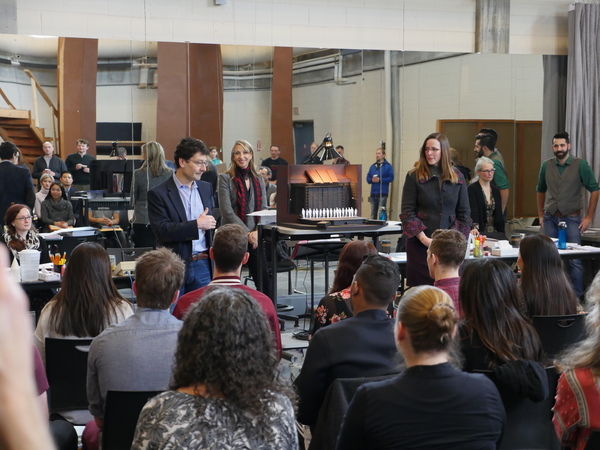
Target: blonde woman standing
[[153, 172]]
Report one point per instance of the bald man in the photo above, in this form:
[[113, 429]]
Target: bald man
[[48, 163]]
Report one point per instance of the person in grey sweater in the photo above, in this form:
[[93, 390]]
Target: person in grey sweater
[[153, 172]]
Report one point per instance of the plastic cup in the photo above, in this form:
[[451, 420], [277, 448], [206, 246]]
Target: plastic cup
[[30, 264]]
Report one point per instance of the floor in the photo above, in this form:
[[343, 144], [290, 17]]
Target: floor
[[300, 300]]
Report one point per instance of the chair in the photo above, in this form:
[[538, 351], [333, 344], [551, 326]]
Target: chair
[[528, 424], [121, 414], [334, 408], [66, 368], [593, 442], [558, 332]]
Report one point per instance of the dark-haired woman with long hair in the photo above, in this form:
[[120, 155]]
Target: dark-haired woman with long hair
[[336, 306], [546, 289], [494, 331], [577, 406], [88, 301], [431, 404], [224, 393], [57, 209], [434, 196], [241, 192]]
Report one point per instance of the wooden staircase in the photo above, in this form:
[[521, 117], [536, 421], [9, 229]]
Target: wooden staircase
[[17, 126]]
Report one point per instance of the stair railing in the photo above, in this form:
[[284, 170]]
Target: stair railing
[[5, 97], [35, 87]]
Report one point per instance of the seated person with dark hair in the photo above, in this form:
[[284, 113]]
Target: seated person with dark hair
[[108, 222], [229, 252], [445, 255], [360, 346], [67, 181], [57, 211]]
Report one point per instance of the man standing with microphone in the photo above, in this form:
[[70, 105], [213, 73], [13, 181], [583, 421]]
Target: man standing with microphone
[[380, 175]]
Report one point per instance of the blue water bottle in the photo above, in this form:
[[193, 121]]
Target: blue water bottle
[[382, 213], [562, 236]]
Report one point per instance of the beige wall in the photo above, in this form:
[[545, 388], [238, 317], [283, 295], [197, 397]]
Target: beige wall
[[536, 26]]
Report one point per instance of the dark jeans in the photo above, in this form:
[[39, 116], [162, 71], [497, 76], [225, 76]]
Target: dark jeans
[[375, 205], [197, 275]]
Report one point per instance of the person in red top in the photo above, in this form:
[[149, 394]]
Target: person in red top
[[445, 255], [577, 406], [229, 252]]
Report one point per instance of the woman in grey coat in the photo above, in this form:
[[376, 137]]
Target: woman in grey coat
[[241, 192], [153, 172], [434, 196]]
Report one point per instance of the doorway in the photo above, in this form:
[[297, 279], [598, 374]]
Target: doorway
[[304, 135]]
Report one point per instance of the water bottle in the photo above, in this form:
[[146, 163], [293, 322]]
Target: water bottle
[[562, 236], [382, 214]]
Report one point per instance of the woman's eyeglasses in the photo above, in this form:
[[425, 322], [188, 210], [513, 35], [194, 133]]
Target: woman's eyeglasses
[[488, 172], [22, 218]]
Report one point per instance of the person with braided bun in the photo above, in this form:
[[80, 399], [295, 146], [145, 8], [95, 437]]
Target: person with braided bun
[[241, 191], [431, 404]]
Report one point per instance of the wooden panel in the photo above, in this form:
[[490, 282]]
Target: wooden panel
[[14, 113], [77, 64], [521, 155], [172, 116], [190, 94], [461, 135], [282, 133], [206, 92], [456, 132]]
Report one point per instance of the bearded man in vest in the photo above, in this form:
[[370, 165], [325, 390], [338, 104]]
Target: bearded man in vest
[[559, 198]]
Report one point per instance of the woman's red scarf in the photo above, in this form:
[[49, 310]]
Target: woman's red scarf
[[240, 187]]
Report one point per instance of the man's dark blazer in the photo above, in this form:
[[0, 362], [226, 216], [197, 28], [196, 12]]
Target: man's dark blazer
[[56, 165], [16, 187], [168, 219], [360, 346]]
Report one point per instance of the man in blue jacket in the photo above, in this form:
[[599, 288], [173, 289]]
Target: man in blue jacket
[[380, 175], [180, 212]]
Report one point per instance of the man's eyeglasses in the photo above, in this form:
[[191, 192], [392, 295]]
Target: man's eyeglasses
[[198, 163], [22, 218]]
